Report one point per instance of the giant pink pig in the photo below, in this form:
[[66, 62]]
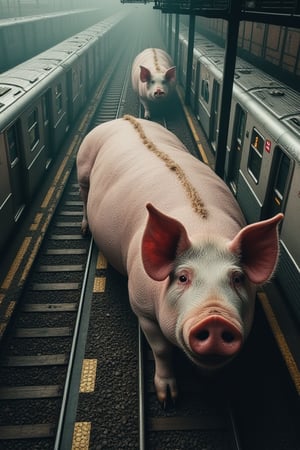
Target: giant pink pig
[[153, 78], [169, 223]]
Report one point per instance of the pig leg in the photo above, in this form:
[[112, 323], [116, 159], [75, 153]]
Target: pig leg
[[147, 114], [83, 189], [162, 349]]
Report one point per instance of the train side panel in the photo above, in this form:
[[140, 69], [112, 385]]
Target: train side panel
[[6, 196], [262, 165], [34, 149], [288, 272]]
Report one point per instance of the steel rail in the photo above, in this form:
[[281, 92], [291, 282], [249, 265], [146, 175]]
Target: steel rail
[[73, 350], [116, 112]]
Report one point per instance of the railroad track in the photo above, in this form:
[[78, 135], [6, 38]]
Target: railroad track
[[36, 360], [38, 355]]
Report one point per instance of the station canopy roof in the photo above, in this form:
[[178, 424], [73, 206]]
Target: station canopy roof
[[221, 8]]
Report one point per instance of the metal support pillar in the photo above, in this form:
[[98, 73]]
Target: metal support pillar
[[228, 80], [176, 39], [169, 41], [189, 68]]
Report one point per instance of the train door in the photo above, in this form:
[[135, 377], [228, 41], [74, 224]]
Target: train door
[[236, 147], [71, 81], [279, 182], [46, 105], [196, 78], [16, 178], [214, 130]]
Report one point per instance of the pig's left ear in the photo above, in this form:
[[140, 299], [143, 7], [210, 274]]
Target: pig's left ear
[[164, 238], [145, 74], [257, 246], [171, 74]]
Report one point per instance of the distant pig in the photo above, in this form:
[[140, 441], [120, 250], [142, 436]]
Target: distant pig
[[169, 223], [153, 78]]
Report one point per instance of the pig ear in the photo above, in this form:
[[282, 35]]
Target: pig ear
[[171, 74], [257, 245], [145, 74], [164, 238]]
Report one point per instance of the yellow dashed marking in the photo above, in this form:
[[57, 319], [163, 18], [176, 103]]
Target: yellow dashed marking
[[101, 261], [2, 329], [2, 297], [37, 220], [81, 436], [193, 130], [48, 197], [16, 263], [99, 284], [288, 357], [46, 223], [30, 260], [88, 375], [10, 310]]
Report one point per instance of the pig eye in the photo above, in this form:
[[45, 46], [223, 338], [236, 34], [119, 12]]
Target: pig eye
[[237, 279], [183, 278]]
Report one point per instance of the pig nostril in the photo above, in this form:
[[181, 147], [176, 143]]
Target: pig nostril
[[203, 335], [227, 337]]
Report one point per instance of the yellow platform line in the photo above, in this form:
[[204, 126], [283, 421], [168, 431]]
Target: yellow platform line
[[280, 339], [81, 435], [192, 128], [88, 376], [99, 284]]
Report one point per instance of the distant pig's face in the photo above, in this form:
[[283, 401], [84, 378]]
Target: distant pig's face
[[158, 85]]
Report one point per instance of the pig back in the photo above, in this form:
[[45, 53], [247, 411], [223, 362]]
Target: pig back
[[139, 162]]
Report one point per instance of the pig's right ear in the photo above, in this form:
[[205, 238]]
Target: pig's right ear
[[258, 247], [171, 74], [145, 74], [164, 238]]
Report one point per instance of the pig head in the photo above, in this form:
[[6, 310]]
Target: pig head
[[172, 226], [208, 303], [153, 78]]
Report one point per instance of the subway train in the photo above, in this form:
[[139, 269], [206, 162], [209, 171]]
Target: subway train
[[23, 37], [262, 166], [39, 100]]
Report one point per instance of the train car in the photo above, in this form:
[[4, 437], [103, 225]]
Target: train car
[[23, 37], [39, 101], [26, 126], [263, 152]]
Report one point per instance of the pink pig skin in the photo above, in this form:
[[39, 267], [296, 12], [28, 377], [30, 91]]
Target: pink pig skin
[[153, 78], [192, 276]]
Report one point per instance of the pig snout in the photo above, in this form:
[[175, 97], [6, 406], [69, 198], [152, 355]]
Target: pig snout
[[159, 93], [215, 340]]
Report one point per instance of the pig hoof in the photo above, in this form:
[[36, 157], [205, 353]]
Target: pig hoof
[[166, 391], [85, 231]]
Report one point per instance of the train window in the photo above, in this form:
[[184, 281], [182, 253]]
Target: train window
[[58, 98], [255, 155], [205, 90], [80, 77], [33, 128], [237, 146], [45, 107], [13, 147], [75, 82], [279, 184]]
